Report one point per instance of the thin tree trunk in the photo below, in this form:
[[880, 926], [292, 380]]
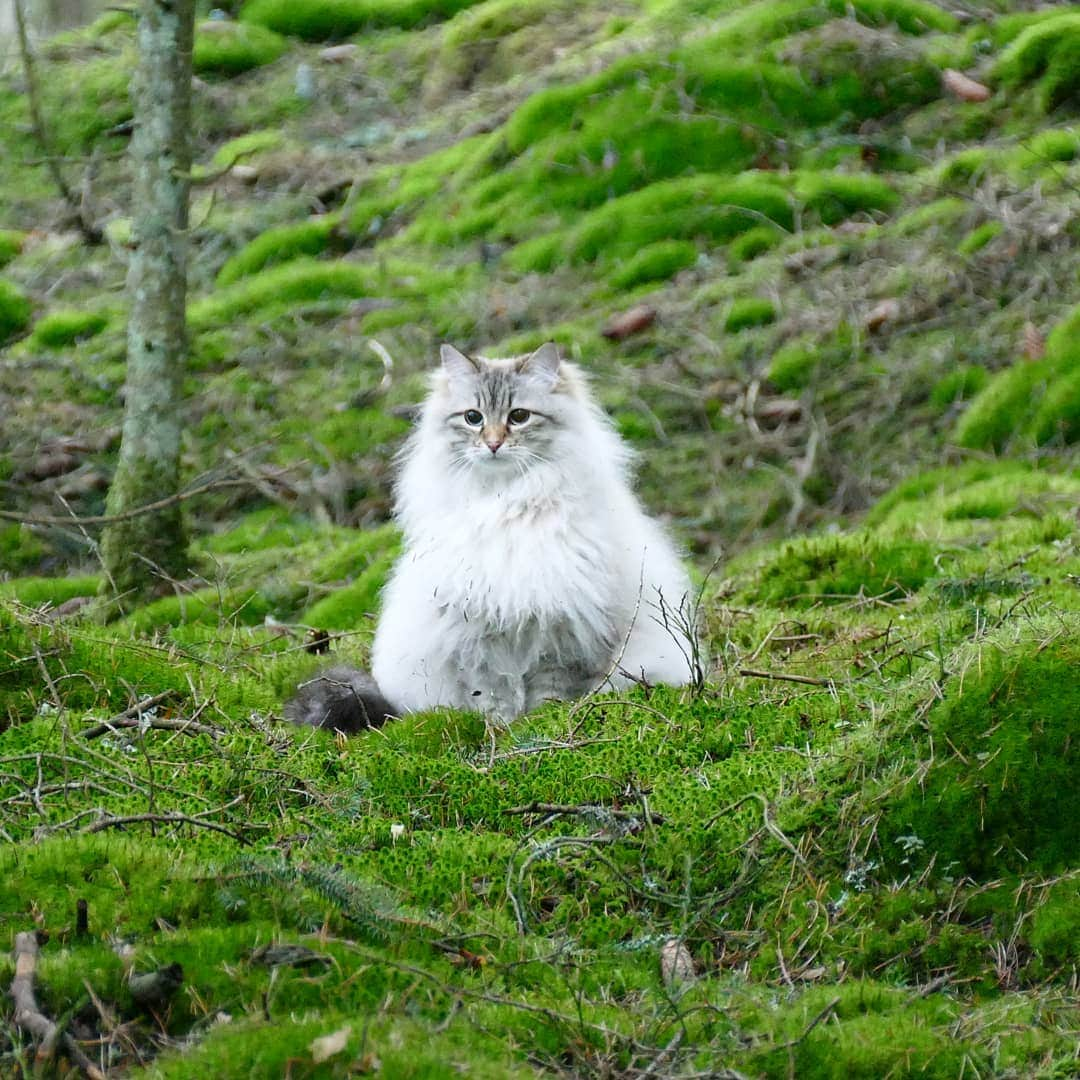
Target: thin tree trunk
[[143, 553], [91, 233]]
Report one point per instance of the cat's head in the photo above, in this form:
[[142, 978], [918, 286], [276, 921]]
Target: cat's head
[[504, 412]]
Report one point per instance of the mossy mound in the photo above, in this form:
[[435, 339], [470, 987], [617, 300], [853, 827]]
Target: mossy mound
[[1046, 53], [15, 310], [322, 20], [656, 262], [747, 312], [1033, 400], [11, 243], [842, 569], [1000, 795], [58, 329], [227, 48], [277, 246]]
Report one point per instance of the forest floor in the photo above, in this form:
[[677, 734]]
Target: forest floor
[[853, 382]]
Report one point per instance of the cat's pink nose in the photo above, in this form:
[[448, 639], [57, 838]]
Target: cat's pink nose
[[493, 444]]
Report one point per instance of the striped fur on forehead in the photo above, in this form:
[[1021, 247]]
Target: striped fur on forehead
[[498, 381]]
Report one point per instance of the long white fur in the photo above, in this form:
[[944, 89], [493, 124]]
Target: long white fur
[[526, 573]]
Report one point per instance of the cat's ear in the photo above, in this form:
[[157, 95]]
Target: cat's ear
[[456, 364], [543, 365]]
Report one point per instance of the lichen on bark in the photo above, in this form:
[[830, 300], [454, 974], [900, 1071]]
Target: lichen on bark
[[141, 553]]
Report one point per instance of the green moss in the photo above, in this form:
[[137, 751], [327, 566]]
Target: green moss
[[749, 311], [229, 48], [208, 607], [964, 167], [754, 242], [320, 20], [833, 569], [961, 384], [38, 591], [11, 243], [15, 310], [1054, 929], [1058, 415], [1053, 145], [979, 237], [998, 796], [244, 146], [940, 213], [1048, 52], [278, 245], [281, 286], [262, 530], [61, 328], [20, 549], [78, 120], [701, 207], [491, 42], [833, 198], [793, 365], [1002, 406], [656, 262], [352, 606]]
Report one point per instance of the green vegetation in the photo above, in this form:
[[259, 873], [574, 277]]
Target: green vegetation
[[11, 243], [857, 408], [228, 48], [15, 310], [319, 20], [1046, 52], [61, 328], [749, 311], [657, 262], [277, 246], [980, 237]]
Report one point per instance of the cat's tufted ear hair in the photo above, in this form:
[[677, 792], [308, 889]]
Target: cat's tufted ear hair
[[456, 364], [542, 365]]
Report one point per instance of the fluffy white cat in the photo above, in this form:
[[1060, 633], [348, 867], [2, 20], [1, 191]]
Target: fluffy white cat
[[529, 569]]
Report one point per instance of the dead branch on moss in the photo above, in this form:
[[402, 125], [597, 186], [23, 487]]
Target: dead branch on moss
[[168, 819], [783, 676], [135, 717], [771, 827], [585, 810], [28, 1014]]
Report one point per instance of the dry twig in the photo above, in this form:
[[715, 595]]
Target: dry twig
[[28, 1015]]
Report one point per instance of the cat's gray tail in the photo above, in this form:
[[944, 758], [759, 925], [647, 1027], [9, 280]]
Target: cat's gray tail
[[342, 698]]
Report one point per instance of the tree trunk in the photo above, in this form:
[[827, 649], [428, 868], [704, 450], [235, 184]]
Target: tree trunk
[[143, 553]]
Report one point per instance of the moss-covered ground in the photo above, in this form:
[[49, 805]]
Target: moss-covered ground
[[858, 408]]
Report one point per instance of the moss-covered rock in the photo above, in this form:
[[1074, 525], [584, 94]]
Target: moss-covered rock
[[227, 48], [58, 329]]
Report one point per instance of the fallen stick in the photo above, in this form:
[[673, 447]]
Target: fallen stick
[[30, 1018], [565, 808]]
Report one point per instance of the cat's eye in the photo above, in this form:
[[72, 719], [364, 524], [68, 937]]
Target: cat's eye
[[473, 417], [518, 416]]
